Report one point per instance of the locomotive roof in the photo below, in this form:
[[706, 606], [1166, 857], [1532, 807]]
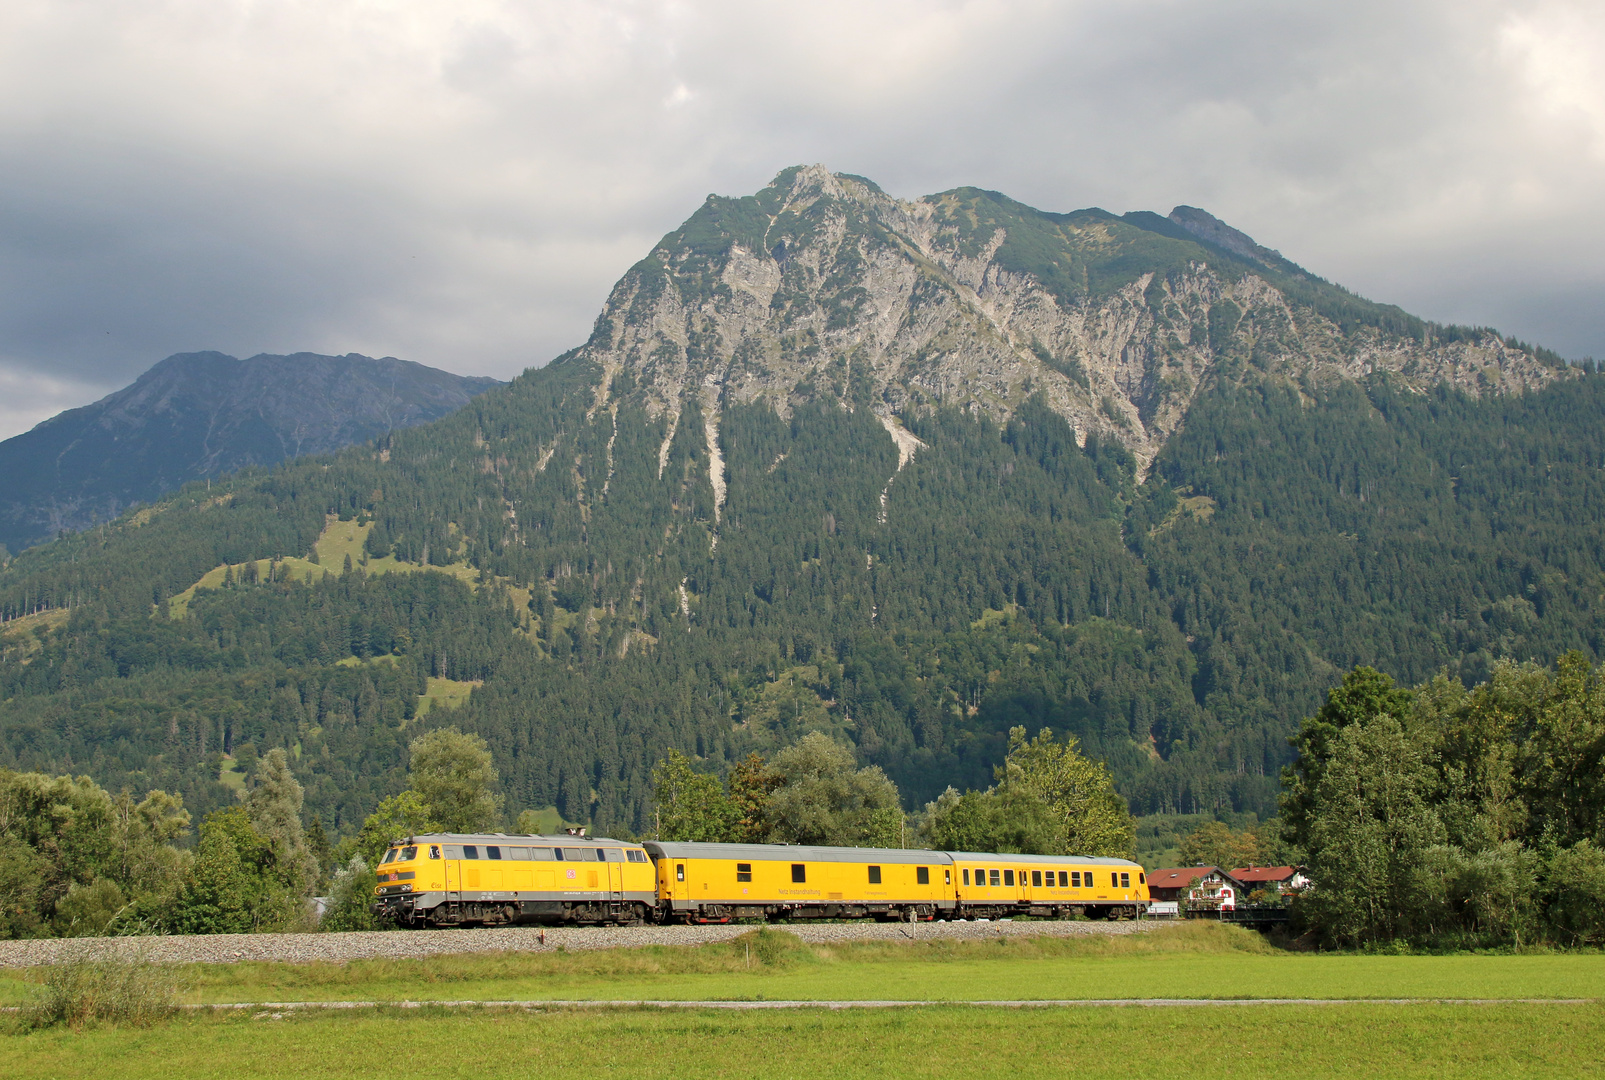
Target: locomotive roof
[[508, 838]]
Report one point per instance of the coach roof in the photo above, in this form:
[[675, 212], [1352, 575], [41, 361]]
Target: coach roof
[[795, 853]]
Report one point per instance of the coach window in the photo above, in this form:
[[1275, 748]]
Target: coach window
[[1008, 877], [470, 851], [743, 871], [965, 876], [947, 875], [994, 877], [1125, 881], [493, 853], [874, 875], [1140, 879], [679, 871], [1036, 878], [799, 873], [1064, 880], [922, 875], [1114, 880]]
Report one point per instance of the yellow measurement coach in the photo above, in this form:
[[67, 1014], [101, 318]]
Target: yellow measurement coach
[[714, 882]]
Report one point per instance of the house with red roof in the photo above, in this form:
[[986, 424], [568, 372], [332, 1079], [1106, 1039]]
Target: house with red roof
[[1196, 887], [1278, 878]]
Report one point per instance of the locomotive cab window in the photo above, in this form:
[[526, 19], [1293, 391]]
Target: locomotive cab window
[[542, 854], [874, 875], [743, 871], [518, 854], [922, 875], [390, 856], [636, 856], [799, 874], [434, 851]]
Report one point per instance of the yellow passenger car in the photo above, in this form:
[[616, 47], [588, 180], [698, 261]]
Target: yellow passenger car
[[488, 879], [1049, 886], [718, 882]]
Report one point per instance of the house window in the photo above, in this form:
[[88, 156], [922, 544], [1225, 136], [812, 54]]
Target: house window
[[922, 875], [994, 877], [799, 873], [743, 871], [874, 875], [1008, 877], [1036, 878]]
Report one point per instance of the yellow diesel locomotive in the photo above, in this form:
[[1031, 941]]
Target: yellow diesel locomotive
[[446, 879]]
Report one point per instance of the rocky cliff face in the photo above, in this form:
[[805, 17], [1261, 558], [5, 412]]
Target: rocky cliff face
[[821, 284], [196, 415]]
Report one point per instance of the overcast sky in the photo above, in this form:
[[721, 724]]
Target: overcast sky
[[460, 183]]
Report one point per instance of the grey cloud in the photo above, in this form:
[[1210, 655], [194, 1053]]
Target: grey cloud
[[461, 184]]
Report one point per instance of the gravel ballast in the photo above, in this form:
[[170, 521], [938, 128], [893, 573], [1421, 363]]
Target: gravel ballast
[[364, 945]]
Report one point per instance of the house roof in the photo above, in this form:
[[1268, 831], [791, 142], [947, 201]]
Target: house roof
[[1251, 875], [1181, 877]]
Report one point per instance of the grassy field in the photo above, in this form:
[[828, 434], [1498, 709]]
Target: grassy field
[[1193, 960], [943, 1041]]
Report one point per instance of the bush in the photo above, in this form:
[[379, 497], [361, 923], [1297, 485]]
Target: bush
[[1577, 878], [107, 985], [350, 897]]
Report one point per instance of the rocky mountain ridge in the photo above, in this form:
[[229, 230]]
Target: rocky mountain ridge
[[822, 284]]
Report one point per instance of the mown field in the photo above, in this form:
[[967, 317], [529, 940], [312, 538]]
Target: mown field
[[1191, 961]]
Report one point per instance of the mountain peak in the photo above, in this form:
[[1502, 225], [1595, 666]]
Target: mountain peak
[[1211, 229], [201, 414]]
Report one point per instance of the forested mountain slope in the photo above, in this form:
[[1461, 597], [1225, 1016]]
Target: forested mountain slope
[[196, 415], [909, 473]]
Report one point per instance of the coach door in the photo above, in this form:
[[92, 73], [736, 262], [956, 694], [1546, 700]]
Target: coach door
[[454, 870]]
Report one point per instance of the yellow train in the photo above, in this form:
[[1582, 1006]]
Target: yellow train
[[449, 879]]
